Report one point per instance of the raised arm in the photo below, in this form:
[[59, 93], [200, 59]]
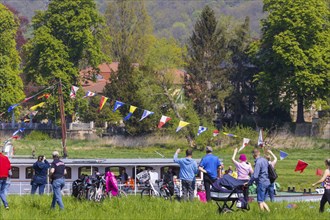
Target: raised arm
[[234, 155], [273, 155], [326, 173], [175, 157]]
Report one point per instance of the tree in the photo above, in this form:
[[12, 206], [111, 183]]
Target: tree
[[130, 28], [242, 98], [10, 82], [67, 38], [293, 55], [208, 83], [157, 87]]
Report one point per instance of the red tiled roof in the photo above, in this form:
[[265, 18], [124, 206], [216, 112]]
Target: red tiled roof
[[107, 69]]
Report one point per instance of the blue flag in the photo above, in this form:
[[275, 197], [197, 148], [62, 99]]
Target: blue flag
[[11, 108], [118, 104], [201, 129], [283, 155], [128, 116], [19, 130], [145, 114]]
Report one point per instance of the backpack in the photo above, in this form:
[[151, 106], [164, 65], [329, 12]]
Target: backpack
[[272, 175]]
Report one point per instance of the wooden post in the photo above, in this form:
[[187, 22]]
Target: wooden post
[[63, 123]]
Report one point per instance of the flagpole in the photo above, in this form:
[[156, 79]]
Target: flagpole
[[63, 123]]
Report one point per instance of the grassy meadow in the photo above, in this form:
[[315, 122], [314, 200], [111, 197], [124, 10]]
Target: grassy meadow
[[314, 153], [134, 207]]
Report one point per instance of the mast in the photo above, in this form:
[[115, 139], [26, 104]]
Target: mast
[[63, 123]]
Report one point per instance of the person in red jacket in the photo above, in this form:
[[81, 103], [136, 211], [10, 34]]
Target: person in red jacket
[[4, 171]]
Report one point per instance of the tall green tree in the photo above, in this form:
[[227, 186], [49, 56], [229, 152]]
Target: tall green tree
[[208, 83], [242, 98], [67, 38], [294, 55], [130, 28], [11, 85]]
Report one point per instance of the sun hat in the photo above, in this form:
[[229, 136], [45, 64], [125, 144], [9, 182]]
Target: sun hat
[[242, 157], [55, 153]]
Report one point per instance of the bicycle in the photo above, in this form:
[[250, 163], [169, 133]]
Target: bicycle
[[97, 190]]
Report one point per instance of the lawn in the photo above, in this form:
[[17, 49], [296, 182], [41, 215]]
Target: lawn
[[134, 207], [101, 149]]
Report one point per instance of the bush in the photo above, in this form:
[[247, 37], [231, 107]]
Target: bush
[[37, 136]]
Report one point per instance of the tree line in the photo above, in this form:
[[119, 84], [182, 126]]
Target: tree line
[[231, 78]]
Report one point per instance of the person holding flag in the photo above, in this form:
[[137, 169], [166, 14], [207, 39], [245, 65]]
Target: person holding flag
[[326, 179], [243, 167]]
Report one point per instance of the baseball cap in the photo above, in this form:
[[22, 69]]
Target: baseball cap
[[55, 153], [209, 149]]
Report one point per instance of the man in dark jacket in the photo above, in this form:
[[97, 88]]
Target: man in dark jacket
[[57, 172], [39, 179]]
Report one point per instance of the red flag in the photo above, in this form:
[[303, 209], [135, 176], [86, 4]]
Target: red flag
[[319, 172], [163, 121], [301, 165], [102, 102]]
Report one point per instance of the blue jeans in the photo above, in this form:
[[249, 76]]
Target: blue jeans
[[41, 188], [261, 192], [271, 191], [58, 185], [7, 187], [2, 192]]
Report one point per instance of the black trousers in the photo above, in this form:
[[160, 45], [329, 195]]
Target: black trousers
[[325, 198], [208, 181]]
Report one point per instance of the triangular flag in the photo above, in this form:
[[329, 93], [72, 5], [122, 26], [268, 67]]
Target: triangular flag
[[19, 130], [118, 104], [27, 99], [245, 142], [301, 165], [35, 107], [201, 129], [102, 102], [229, 135], [145, 114], [11, 108], [181, 125], [283, 155], [73, 92], [163, 121], [260, 139], [215, 133], [46, 95], [89, 94], [319, 172], [131, 111]]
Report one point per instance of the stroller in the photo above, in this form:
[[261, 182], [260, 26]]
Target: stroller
[[230, 191]]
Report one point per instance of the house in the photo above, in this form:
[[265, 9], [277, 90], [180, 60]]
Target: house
[[105, 72]]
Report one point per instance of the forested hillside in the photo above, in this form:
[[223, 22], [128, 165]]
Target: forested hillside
[[171, 18]]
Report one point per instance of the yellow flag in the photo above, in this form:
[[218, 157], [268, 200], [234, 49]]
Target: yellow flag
[[33, 108], [132, 109], [181, 125]]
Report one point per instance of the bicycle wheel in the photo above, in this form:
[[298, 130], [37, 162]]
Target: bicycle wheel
[[165, 194], [147, 192], [100, 196], [122, 193], [91, 194]]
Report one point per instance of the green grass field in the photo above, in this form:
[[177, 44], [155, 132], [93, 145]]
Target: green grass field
[[134, 207], [101, 149]]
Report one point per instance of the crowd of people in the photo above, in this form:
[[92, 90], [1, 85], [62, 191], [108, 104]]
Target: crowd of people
[[210, 166]]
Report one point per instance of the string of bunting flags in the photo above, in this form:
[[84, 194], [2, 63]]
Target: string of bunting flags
[[301, 165]]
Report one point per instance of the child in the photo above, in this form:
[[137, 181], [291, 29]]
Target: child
[[201, 194]]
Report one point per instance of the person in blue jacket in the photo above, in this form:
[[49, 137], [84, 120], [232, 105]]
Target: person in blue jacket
[[39, 179], [188, 170]]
